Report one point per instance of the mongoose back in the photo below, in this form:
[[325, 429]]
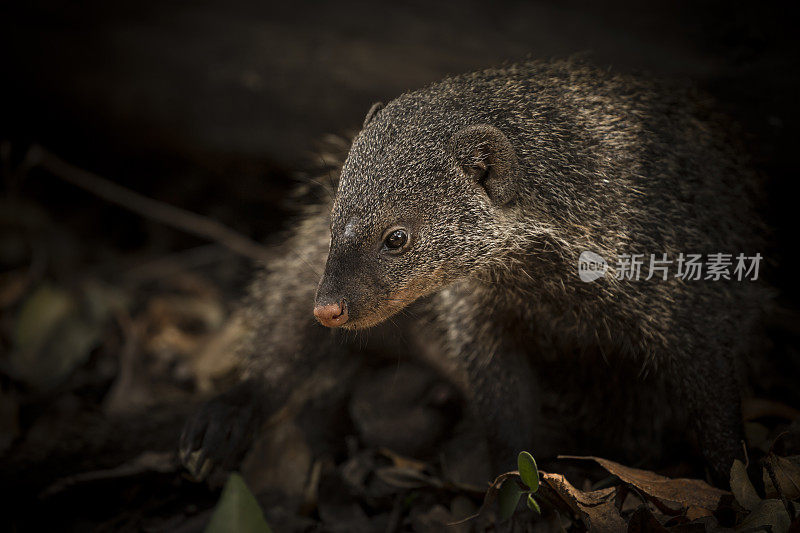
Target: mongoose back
[[473, 199]]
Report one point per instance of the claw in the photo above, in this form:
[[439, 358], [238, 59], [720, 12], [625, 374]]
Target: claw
[[198, 464], [219, 434]]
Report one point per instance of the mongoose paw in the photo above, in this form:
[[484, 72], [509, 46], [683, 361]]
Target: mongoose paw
[[219, 434]]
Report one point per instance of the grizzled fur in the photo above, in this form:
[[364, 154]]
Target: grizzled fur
[[501, 178]]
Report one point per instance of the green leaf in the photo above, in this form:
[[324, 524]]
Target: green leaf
[[508, 498], [237, 510], [533, 505], [52, 338], [39, 316], [528, 471]]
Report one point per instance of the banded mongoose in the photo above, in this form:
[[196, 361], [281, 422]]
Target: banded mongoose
[[472, 199]]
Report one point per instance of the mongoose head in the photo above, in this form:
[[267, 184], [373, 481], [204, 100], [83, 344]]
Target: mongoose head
[[420, 204]]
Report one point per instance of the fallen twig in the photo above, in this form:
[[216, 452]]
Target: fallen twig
[[161, 462], [147, 207]]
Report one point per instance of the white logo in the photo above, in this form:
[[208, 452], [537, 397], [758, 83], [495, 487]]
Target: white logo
[[591, 266]]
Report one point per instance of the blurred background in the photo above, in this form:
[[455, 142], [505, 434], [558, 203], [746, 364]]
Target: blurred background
[[221, 109]]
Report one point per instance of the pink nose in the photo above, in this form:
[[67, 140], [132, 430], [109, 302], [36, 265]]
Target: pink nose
[[331, 315]]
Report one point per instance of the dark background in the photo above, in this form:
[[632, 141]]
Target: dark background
[[122, 87], [214, 105]]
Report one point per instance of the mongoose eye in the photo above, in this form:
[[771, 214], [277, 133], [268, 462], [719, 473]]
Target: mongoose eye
[[396, 239]]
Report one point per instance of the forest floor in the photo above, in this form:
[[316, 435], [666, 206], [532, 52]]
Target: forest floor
[[114, 323], [113, 328]]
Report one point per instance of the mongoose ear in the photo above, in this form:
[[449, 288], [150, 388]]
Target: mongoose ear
[[485, 154], [377, 106]]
